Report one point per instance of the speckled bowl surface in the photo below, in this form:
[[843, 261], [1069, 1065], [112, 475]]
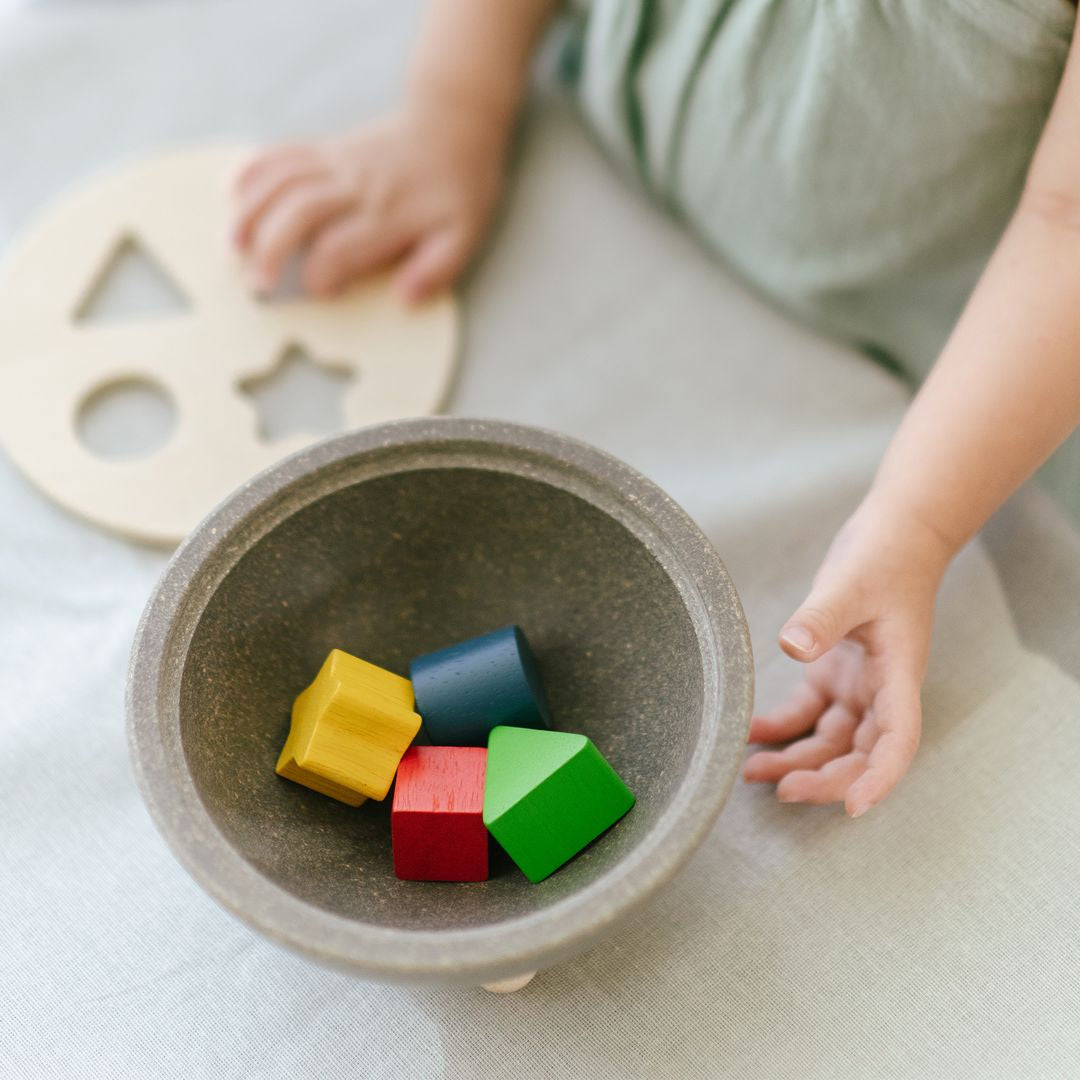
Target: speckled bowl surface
[[390, 542]]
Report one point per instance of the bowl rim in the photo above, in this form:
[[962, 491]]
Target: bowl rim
[[461, 954]]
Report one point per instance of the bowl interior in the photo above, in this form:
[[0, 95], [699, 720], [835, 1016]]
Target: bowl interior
[[398, 565]]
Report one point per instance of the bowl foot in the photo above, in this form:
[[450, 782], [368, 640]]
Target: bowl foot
[[508, 986]]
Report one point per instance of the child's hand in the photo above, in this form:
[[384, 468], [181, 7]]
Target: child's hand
[[864, 632], [419, 187]]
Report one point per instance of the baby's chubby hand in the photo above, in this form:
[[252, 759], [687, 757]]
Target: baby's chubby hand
[[416, 188], [864, 634]]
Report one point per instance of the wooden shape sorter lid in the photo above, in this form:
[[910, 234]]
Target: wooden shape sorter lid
[[172, 210]]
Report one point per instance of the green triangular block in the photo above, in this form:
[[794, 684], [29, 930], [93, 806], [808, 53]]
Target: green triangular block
[[521, 758], [547, 795]]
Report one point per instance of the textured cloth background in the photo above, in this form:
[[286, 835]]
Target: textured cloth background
[[936, 937]]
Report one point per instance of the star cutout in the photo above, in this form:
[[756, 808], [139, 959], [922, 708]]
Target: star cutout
[[298, 395]]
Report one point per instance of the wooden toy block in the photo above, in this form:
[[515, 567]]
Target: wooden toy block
[[464, 691], [349, 730], [547, 795], [437, 819]]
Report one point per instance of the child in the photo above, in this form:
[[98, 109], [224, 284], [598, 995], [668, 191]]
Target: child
[[858, 160]]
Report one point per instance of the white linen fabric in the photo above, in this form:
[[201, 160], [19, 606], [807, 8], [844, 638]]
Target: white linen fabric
[[939, 936]]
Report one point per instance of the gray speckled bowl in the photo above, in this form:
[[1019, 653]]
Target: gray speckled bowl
[[390, 542]]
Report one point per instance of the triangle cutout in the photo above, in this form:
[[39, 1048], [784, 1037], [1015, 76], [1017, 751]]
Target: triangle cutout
[[131, 285], [519, 759]]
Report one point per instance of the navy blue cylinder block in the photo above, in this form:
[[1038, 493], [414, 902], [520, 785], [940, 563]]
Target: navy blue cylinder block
[[465, 690]]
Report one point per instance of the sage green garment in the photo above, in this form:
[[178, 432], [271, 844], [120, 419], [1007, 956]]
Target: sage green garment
[[855, 160]]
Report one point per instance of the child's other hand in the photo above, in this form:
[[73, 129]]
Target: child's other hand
[[418, 188], [864, 633]]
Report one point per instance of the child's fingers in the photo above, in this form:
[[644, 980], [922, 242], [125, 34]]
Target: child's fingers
[[433, 264], [798, 714], [831, 740], [254, 200], [825, 618], [825, 785], [349, 248], [866, 734], [289, 223], [258, 164], [898, 715]]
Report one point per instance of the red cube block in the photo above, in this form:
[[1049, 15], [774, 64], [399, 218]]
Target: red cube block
[[437, 820]]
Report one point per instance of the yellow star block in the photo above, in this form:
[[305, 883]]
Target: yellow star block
[[349, 730]]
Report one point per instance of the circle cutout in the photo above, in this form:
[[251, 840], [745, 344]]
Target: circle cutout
[[126, 419]]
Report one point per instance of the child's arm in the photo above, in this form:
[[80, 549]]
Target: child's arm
[[418, 187], [1003, 395]]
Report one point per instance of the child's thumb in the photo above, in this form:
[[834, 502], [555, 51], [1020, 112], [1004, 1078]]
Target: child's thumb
[[824, 619]]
